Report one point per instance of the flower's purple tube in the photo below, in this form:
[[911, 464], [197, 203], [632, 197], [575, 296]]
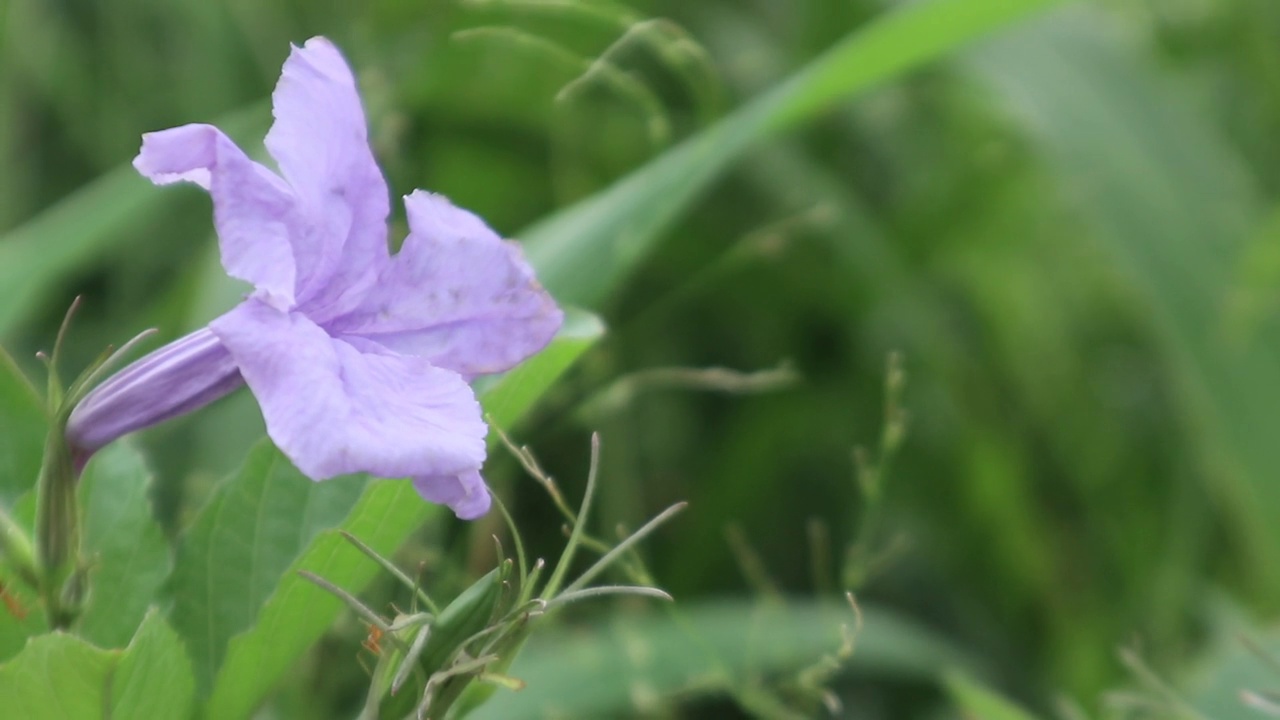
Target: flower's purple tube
[[180, 377]]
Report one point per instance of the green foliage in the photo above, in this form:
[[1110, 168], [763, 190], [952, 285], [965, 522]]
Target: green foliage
[[22, 430], [297, 613], [240, 546], [128, 555], [1064, 218], [60, 676], [584, 251], [643, 663]]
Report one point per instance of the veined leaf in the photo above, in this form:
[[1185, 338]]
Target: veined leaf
[[128, 553], [240, 545], [62, 677], [153, 678], [297, 613]]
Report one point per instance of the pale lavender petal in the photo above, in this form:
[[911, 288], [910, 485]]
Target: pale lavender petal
[[184, 375], [335, 410], [456, 294], [253, 210], [465, 493], [321, 144]]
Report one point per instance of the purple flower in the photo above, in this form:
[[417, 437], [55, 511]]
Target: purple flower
[[360, 360]]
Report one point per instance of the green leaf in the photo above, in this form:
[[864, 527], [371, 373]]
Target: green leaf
[[129, 556], [154, 678], [978, 703], [601, 671], [298, 613], [16, 629], [236, 551], [29, 619], [61, 677], [584, 251], [22, 430]]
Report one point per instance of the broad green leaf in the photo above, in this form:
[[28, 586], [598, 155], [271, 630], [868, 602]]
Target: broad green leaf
[[298, 613], [154, 677], [584, 251], [236, 551], [57, 677], [62, 677], [602, 670], [129, 556], [978, 703], [22, 430]]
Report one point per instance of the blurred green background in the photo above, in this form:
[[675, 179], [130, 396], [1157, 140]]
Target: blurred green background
[[1066, 228]]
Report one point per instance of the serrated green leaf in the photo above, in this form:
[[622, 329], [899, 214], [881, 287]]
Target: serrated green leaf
[[601, 671], [236, 551], [22, 429], [154, 678], [583, 252], [978, 703], [62, 677], [129, 556], [57, 677], [298, 613]]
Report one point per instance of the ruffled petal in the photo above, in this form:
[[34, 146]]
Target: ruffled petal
[[184, 375], [253, 210], [321, 144], [335, 410], [456, 294], [466, 494]]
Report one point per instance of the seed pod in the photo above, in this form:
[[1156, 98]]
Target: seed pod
[[468, 614]]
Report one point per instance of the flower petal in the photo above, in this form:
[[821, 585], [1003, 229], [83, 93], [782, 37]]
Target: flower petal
[[321, 144], [184, 375], [456, 294], [334, 410], [252, 209], [465, 493]]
